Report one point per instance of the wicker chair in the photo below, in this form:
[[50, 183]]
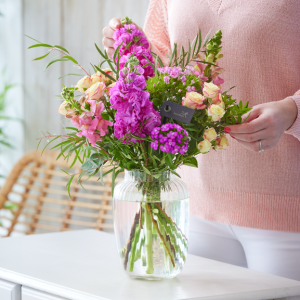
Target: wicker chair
[[37, 187]]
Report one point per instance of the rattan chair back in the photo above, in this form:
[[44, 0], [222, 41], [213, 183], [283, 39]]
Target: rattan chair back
[[37, 188]]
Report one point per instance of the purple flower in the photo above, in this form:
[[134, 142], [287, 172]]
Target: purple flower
[[170, 138]]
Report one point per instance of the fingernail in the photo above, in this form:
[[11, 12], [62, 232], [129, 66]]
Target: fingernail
[[227, 129]]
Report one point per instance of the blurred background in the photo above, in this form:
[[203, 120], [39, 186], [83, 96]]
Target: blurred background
[[28, 105]]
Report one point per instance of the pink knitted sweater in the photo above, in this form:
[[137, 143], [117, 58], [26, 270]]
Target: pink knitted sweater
[[261, 48]]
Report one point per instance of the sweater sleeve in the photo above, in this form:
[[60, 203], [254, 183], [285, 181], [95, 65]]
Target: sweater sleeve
[[156, 28], [295, 128]]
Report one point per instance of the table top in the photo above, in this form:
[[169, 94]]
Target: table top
[[84, 265]]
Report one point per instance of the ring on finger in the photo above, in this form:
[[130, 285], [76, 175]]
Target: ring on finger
[[260, 147]]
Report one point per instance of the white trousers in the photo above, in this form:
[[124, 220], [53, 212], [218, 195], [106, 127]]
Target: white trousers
[[268, 251]]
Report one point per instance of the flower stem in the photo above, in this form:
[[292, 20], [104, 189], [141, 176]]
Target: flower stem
[[148, 243]]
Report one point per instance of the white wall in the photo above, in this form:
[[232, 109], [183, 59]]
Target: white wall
[[74, 24], [11, 58]]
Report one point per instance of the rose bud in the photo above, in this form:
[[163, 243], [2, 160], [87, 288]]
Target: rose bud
[[204, 146], [210, 134], [215, 112], [210, 90], [222, 142], [83, 84], [193, 100]]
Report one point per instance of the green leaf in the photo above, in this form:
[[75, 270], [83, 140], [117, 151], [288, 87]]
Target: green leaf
[[33, 38], [62, 48], [100, 52], [152, 65], [49, 143], [104, 73], [69, 75], [170, 161], [55, 60], [71, 59], [175, 173], [194, 44], [189, 54], [146, 170], [199, 41], [69, 184], [190, 161], [206, 38], [41, 57], [40, 45], [117, 50]]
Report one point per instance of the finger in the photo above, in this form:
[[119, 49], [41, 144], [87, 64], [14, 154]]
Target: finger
[[255, 125], [255, 147], [108, 43], [110, 52], [253, 114], [108, 32], [251, 137], [115, 23]]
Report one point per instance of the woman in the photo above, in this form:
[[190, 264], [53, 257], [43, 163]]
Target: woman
[[245, 204]]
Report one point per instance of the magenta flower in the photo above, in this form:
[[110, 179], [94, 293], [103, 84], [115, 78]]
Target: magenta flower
[[170, 138]]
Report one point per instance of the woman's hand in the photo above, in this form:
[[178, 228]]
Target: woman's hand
[[108, 33], [267, 122]]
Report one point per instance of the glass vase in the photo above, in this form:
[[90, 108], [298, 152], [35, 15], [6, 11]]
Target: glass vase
[[151, 218]]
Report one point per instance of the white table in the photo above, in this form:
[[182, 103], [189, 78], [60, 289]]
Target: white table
[[84, 265]]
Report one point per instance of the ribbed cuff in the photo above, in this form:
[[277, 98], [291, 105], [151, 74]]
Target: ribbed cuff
[[269, 212], [295, 128]]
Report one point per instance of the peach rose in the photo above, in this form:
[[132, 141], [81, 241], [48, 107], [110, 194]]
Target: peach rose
[[99, 77], [222, 142], [210, 134], [215, 112], [204, 146], [83, 84], [193, 100], [96, 91], [210, 90]]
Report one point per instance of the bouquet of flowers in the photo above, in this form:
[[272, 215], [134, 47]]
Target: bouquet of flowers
[[142, 115]]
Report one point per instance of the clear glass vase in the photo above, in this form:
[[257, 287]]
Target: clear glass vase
[[151, 218]]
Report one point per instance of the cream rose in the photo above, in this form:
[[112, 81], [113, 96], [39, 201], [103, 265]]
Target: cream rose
[[215, 112], [83, 84], [210, 134], [210, 90], [222, 142], [96, 91], [99, 77], [204, 146], [193, 100]]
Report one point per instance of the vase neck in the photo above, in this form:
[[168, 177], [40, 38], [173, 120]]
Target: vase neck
[[143, 176]]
